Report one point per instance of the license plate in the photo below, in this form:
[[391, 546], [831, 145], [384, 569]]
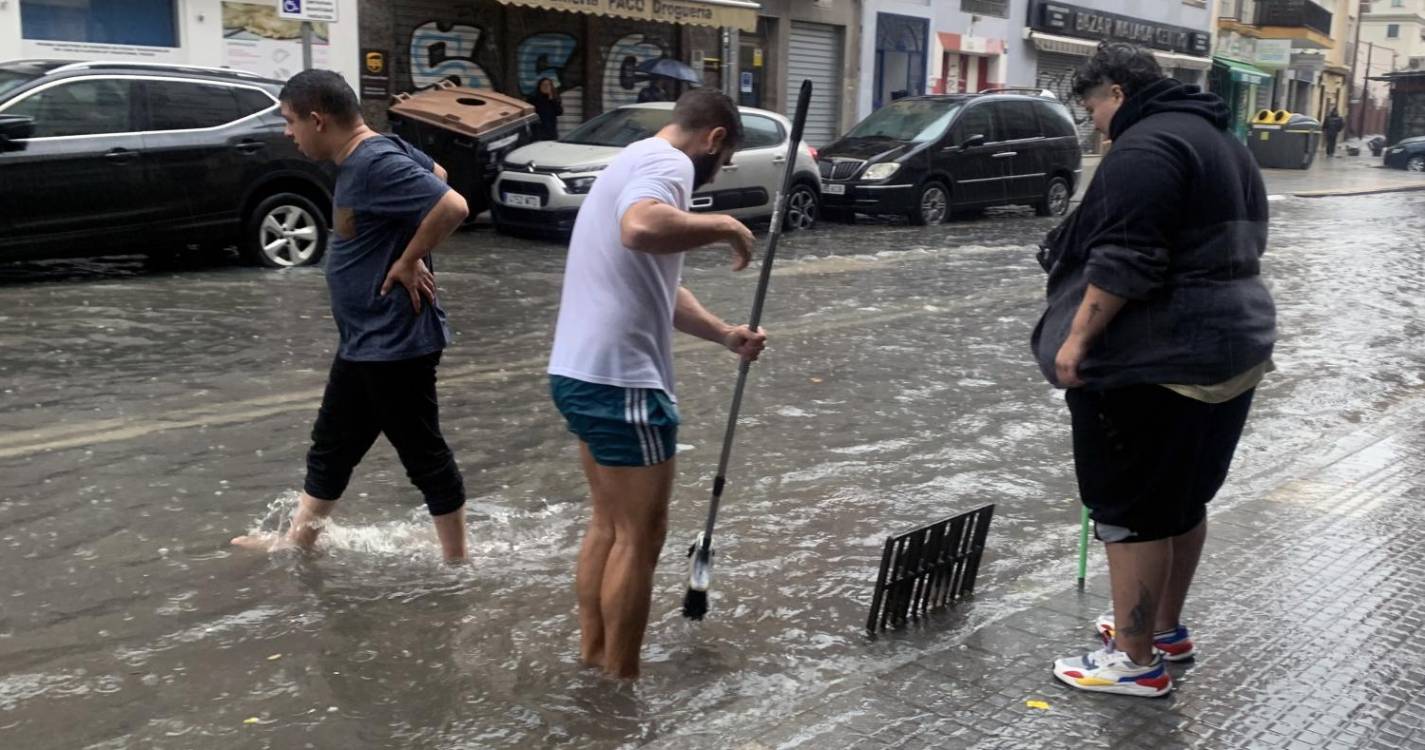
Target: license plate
[[835, 189], [522, 201]]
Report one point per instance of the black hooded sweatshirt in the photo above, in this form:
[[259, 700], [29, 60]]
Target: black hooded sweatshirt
[[1174, 221]]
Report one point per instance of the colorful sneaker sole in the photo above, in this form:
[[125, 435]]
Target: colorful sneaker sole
[[1149, 686]]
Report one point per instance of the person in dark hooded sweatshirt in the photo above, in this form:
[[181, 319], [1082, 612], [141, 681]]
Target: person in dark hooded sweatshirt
[[1160, 328]]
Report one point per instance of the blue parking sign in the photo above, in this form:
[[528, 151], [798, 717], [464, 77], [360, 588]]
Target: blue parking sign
[[291, 6]]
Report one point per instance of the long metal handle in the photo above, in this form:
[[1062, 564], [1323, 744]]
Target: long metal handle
[[1005, 154], [754, 321]]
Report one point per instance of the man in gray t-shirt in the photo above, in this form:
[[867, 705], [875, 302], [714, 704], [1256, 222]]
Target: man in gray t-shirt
[[392, 208]]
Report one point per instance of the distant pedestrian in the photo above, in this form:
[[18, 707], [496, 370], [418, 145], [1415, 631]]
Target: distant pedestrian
[[652, 93], [1160, 327], [392, 208], [1332, 127], [549, 108]]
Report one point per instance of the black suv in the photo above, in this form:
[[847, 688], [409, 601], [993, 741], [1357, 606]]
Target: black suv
[[927, 157], [107, 158]]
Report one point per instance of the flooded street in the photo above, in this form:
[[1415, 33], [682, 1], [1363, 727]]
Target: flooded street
[[151, 414]]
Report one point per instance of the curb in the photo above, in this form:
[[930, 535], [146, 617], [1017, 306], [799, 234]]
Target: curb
[[1357, 191]]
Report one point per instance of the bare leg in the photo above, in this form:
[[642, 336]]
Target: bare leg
[[639, 513], [1187, 550], [307, 524], [1138, 574], [593, 555], [450, 530]]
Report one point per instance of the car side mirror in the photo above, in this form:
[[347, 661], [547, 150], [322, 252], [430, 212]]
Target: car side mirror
[[14, 130]]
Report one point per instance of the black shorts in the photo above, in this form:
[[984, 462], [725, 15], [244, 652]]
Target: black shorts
[[1150, 460], [367, 399]]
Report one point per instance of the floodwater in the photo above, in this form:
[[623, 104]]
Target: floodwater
[[151, 414]]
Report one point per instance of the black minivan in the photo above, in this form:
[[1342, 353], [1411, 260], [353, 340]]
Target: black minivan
[[927, 157]]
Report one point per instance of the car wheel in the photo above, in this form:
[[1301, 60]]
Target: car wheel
[[1416, 163], [1056, 198], [284, 231], [932, 205], [803, 207]]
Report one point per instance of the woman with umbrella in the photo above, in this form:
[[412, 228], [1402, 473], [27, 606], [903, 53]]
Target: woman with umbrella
[[549, 108], [664, 67]]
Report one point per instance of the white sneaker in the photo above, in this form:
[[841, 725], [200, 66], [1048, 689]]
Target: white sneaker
[[1109, 670]]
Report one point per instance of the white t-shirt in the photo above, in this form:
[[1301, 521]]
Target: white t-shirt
[[616, 311]]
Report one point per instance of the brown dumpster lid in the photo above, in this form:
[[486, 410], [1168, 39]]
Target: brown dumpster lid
[[472, 112]]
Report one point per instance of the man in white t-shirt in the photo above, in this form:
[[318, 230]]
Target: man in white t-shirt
[[611, 372]]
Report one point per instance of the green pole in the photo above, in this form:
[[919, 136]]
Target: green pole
[[1083, 544]]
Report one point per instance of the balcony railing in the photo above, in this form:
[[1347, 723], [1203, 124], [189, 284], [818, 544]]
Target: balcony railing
[[1294, 14]]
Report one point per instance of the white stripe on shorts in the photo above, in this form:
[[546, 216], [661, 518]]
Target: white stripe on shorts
[[653, 440], [631, 415]]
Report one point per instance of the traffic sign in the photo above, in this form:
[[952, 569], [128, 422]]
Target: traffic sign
[[308, 10]]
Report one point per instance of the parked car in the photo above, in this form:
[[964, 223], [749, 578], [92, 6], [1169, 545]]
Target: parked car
[[542, 185], [102, 158], [1408, 154], [926, 157]]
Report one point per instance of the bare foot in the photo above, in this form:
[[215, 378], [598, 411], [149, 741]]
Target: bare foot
[[263, 542]]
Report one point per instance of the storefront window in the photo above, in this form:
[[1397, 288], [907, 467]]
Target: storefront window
[[144, 23], [900, 57]]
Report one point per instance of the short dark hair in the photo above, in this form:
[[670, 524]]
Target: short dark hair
[[1131, 67], [321, 91], [706, 108]]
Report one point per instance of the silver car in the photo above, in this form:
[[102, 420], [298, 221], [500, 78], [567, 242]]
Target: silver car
[[541, 186]]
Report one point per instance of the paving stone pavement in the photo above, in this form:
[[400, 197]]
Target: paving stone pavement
[[1307, 612]]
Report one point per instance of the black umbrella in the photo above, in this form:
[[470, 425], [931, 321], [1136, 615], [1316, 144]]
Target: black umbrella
[[667, 67]]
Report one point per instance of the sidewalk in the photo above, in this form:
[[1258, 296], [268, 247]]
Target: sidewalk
[[1343, 175], [1307, 612]]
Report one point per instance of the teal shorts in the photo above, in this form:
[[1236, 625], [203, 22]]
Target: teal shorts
[[621, 426]]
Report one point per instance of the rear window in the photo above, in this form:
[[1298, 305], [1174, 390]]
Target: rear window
[[1055, 120], [620, 127], [251, 101], [760, 132], [1017, 120], [174, 105]]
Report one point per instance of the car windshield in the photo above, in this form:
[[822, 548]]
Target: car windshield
[[620, 127], [13, 79], [914, 120]]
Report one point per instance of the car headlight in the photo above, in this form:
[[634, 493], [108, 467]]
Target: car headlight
[[579, 185], [880, 171], [1397, 149]]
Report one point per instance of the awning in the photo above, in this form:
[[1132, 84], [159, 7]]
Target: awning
[[716, 13], [1064, 45], [1069, 45], [1182, 62], [1242, 72]]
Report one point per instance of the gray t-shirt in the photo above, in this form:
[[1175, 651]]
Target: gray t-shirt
[[384, 190]]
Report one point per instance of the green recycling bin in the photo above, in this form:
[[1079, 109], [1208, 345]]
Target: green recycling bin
[[1283, 140]]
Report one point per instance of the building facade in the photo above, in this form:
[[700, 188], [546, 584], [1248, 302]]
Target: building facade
[[1059, 37], [590, 49], [212, 33], [1397, 26], [1282, 55], [798, 40]]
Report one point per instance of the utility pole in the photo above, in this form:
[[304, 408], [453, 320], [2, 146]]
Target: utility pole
[[1365, 91], [1361, 11]]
